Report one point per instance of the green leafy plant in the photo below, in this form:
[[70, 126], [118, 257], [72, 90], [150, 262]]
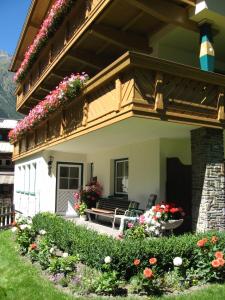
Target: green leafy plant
[[107, 283], [65, 265]]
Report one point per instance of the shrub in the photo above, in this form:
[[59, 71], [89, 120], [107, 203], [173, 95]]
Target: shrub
[[92, 247]]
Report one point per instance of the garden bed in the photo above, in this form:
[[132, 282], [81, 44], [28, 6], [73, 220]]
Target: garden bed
[[86, 262]]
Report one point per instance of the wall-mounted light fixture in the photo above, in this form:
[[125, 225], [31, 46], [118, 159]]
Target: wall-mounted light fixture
[[50, 162]]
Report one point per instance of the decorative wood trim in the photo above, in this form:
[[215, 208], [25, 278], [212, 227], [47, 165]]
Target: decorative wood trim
[[221, 111], [118, 87], [159, 101]]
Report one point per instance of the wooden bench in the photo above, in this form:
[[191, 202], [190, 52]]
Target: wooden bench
[[109, 207]]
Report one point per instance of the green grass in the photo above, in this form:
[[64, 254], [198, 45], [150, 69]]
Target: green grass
[[20, 280]]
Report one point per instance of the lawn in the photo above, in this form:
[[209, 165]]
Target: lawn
[[19, 280]]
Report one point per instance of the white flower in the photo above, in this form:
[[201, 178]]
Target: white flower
[[65, 254], [52, 250], [162, 206], [42, 232], [28, 226], [158, 214], [107, 259], [157, 232], [14, 229], [177, 261], [23, 226], [29, 221]]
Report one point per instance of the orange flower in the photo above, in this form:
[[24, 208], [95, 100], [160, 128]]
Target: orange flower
[[201, 243], [148, 273], [33, 246], [214, 239], [152, 261], [221, 261], [137, 262], [219, 254], [14, 223], [215, 263]]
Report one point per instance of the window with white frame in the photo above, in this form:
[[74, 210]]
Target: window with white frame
[[27, 179], [121, 176], [23, 174], [32, 178]]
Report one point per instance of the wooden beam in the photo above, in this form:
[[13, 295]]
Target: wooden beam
[[54, 74], [88, 58], [124, 40], [159, 101], [44, 89], [221, 110], [166, 11]]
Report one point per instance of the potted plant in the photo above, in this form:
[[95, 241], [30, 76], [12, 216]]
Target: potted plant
[[161, 217], [80, 209], [91, 193]]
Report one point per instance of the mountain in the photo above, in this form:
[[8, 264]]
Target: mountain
[[7, 89]]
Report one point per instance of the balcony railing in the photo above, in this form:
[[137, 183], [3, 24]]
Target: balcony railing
[[82, 11], [134, 85]]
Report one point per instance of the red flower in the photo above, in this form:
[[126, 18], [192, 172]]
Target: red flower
[[215, 263], [201, 243], [137, 262], [152, 261], [219, 254], [214, 239], [33, 246], [148, 273], [221, 261]]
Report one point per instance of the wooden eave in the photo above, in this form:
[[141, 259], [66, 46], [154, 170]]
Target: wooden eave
[[103, 37]]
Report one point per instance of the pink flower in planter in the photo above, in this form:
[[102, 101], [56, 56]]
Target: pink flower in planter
[[50, 104], [48, 26]]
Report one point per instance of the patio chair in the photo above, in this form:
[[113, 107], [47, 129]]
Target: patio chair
[[133, 213]]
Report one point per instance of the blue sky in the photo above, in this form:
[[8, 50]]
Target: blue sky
[[12, 17]]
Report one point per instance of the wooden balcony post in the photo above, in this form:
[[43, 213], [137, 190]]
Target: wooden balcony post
[[118, 86], [159, 101], [221, 115], [63, 122]]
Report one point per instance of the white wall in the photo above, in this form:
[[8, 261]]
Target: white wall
[[45, 191], [143, 169], [147, 171]]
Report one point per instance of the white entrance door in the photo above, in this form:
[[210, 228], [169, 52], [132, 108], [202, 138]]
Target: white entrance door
[[68, 181]]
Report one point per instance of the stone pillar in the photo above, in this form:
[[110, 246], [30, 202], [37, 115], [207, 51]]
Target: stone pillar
[[208, 179]]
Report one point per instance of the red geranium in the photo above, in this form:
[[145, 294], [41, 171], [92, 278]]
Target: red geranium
[[215, 263], [152, 261], [148, 273], [33, 246], [219, 254], [137, 262]]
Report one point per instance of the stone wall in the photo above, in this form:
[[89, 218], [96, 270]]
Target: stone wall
[[208, 179]]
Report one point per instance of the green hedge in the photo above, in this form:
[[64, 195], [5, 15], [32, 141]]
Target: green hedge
[[93, 247]]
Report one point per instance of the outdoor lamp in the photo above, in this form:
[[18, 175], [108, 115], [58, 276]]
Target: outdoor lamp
[[50, 162]]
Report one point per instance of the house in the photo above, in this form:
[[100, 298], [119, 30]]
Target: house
[[149, 120], [6, 164]]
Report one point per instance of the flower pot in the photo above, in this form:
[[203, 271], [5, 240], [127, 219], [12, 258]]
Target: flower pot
[[171, 224], [83, 217]]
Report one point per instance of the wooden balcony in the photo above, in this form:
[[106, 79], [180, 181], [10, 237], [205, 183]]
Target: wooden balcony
[[134, 85], [82, 13], [94, 35]]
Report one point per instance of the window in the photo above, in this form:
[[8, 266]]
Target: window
[[32, 179], [69, 178], [8, 162], [121, 176]]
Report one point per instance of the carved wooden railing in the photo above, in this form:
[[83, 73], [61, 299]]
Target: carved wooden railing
[[79, 14], [135, 84]]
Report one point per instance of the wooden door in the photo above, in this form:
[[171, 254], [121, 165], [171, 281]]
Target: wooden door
[[179, 189]]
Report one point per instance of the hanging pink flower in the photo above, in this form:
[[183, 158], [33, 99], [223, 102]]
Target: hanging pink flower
[[49, 25], [66, 90]]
